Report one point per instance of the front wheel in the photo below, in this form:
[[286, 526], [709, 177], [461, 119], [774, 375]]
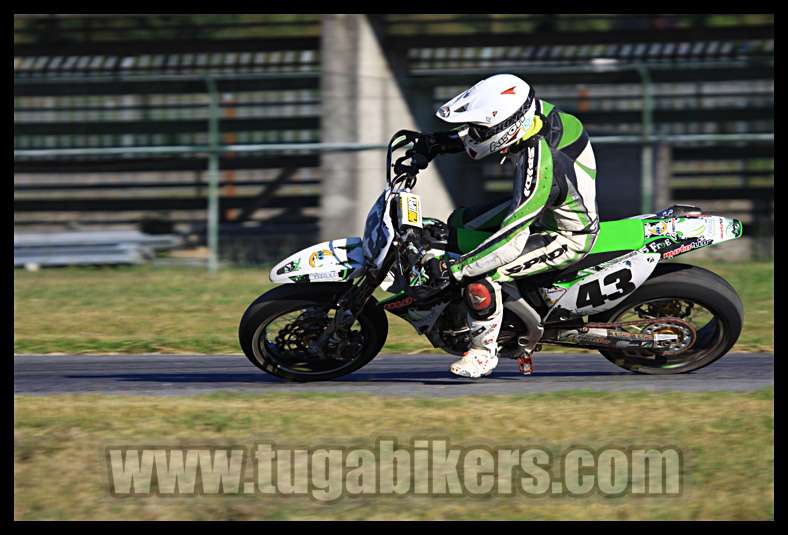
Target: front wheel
[[695, 295], [276, 331]]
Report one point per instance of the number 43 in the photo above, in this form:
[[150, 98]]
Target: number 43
[[590, 294]]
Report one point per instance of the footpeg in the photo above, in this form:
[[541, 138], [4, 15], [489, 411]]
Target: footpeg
[[525, 364]]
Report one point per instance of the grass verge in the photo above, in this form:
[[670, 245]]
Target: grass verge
[[186, 310], [60, 469]]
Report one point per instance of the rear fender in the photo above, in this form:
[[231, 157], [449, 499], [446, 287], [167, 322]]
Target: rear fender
[[332, 261], [673, 236], [668, 235]]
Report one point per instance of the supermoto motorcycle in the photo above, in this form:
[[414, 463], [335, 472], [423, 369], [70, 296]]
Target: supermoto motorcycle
[[622, 299]]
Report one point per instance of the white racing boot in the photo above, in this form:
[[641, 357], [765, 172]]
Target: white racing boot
[[484, 320], [474, 364]]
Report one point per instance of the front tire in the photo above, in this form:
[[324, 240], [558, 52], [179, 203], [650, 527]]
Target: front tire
[[289, 299], [689, 284]]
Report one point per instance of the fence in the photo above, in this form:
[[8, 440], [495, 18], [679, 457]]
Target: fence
[[215, 150], [293, 65]]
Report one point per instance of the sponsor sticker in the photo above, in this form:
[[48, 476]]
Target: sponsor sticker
[[690, 228], [733, 229], [394, 305], [510, 133], [659, 245], [661, 228], [328, 275], [317, 258], [685, 248], [410, 208], [289, 267], [413, 209], [614, 261], [715, 228]]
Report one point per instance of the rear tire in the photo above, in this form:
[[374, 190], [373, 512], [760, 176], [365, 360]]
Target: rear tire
[[292, 297], [694, 284]]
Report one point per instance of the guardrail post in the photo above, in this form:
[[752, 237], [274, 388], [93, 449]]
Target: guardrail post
[[213, 176], [647, 155], [662, 176]]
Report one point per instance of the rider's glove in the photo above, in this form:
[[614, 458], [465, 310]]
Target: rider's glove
[[424, 149], [439, 279], [438, 271], [428, 146]]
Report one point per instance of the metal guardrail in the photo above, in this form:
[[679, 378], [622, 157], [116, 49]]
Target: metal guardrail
[[213, 152], [342, 147], [88, 248]]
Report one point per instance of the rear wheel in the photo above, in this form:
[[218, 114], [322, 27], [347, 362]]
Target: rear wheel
[[276, 332], [695, 295]]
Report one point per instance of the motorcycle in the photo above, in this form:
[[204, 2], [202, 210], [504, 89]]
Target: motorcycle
[[622, 299]]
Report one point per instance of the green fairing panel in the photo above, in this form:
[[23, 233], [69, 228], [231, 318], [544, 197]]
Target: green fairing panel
[[621, 235]]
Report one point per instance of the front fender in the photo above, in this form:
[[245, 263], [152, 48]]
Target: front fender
[[332, 261]]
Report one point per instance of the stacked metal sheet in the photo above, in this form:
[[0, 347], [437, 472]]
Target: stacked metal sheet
[[89, 248]]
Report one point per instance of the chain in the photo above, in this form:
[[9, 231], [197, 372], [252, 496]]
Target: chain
[[616, 325]]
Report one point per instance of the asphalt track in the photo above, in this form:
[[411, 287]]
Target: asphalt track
[[419, 375]]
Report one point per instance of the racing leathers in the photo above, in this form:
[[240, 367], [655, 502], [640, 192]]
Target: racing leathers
[[549, 222]]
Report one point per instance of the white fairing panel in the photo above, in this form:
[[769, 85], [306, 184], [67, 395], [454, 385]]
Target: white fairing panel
[[604, 286], [331, 261]]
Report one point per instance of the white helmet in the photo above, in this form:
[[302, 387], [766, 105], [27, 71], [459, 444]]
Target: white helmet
[[499, 110]]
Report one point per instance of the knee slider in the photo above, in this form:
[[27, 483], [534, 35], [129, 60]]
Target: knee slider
[[480, 299]]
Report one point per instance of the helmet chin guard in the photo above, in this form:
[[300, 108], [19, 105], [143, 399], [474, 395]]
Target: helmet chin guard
[[498, 111]]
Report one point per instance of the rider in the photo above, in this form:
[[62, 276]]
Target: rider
[[549, 222]]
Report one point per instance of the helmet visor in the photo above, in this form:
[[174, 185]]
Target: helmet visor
[[481, 133]]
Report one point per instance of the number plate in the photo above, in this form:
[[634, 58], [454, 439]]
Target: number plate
[[605, 286], [410, 209]]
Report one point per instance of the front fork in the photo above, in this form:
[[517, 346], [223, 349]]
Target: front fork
[[351, 303]]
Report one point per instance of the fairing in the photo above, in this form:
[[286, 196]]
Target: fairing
[[331, 261]]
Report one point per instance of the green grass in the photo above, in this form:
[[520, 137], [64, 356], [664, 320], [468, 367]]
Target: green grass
[[176, 310], [754, 282], [60, 469]]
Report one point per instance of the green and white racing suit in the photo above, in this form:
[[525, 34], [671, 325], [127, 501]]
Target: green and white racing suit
[[549, 222]]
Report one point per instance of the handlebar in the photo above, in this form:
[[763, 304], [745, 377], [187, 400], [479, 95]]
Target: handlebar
[[418, 161]]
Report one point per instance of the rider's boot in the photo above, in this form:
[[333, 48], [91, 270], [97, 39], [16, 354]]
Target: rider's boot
[[484, 319], [474, 363]]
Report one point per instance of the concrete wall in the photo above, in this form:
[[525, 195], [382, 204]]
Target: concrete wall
[[363, 103]]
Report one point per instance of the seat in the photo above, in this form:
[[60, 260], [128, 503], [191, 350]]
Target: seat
[[618, 235]]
